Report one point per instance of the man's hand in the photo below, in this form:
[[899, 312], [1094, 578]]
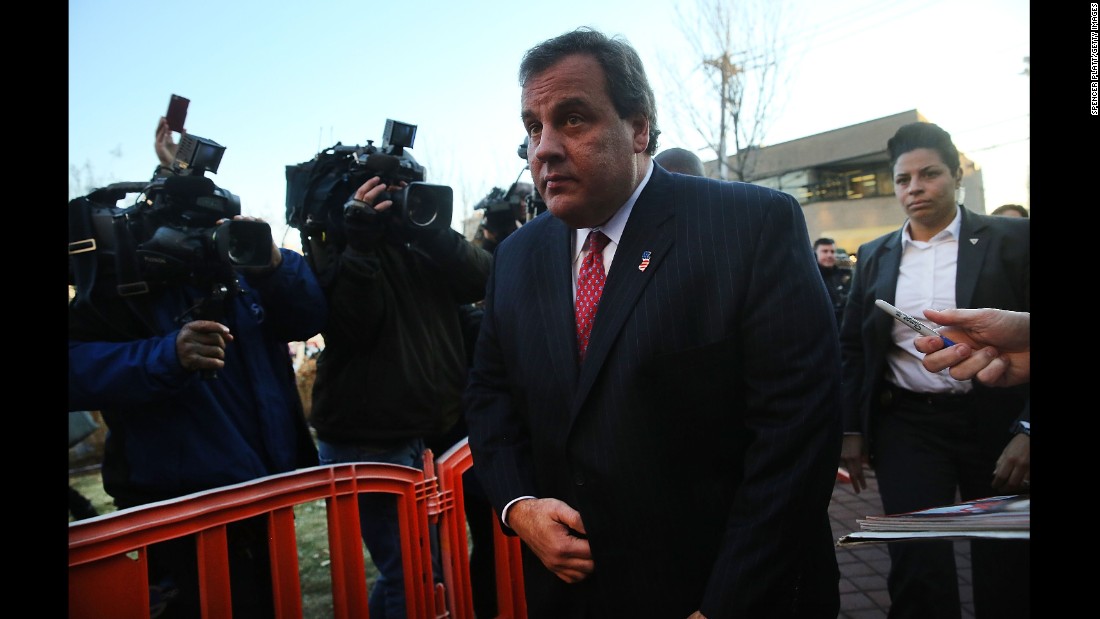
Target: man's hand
[[363, 215], [554, 532], [851, 458], [164, 145], [201, 344], [987, 365], [992, 346], [1013, 472]]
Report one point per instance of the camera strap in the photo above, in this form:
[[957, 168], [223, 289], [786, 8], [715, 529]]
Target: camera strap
[[84, 257], [130, 282], [82, 246]]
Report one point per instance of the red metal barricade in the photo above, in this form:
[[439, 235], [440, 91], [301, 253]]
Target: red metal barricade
[[108, 576], [511, 603]]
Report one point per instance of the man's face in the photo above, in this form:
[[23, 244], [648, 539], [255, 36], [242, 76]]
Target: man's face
[[826, 255], [584, 159]]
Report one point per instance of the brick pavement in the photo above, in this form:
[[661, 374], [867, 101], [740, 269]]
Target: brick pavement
[[863, 568]]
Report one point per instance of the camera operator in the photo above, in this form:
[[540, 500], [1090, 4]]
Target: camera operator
[[494, 228], [197, 392], [393, 368]]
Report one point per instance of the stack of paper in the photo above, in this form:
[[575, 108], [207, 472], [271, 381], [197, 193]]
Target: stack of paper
[[999, 517]]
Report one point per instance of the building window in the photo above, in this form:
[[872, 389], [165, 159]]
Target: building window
[[835, 185], [861, 185]]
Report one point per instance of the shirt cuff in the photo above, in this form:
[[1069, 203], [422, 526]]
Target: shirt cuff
[[504, 514]]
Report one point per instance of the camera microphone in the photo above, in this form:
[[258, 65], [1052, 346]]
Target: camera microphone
[[189, 186]]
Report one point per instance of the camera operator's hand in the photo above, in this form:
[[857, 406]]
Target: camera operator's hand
[[276, 255], [165, 146], [201, 344], [365, 215]]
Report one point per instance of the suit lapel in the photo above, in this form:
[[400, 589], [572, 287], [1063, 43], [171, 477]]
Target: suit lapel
[[648, 236], [885, 286], [554, 305], [973, 244], [889, 261]]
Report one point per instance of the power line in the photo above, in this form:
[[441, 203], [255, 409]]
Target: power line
[[996, 146], [872, 11], [992, 124]]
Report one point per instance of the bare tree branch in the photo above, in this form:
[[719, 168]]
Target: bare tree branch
[[737, 44]]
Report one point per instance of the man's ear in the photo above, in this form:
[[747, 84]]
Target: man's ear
[[639, 124]]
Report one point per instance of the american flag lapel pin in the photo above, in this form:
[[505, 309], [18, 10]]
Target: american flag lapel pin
[[645, 260]]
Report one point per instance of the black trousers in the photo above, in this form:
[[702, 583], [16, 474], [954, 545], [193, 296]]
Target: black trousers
[[932, 453], [173, 570]]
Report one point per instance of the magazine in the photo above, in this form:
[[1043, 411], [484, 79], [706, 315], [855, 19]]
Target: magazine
[[998, 517]]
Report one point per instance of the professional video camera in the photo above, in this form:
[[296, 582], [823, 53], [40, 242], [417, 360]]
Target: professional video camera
[[319, 191], [503, 208], [170, 233], [534, 202]]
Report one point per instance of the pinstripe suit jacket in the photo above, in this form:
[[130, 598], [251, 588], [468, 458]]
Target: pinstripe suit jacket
[[993, 270], [700, 439]]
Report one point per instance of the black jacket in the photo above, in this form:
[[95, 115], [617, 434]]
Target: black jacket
[[394, 363], [838, 281], [994, 270]]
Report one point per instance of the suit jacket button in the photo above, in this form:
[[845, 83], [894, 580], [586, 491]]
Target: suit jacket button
[[578, 479]]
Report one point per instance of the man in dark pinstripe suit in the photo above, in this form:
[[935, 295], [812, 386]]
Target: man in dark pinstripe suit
[[685, 466]]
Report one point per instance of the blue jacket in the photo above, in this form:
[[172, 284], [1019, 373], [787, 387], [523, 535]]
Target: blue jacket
[[171, 431]]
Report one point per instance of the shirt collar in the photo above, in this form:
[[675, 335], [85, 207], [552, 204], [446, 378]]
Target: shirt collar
[[614, 226], [950, 232]]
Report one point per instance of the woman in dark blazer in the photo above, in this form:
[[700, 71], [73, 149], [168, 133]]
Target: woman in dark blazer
[[932, 439]]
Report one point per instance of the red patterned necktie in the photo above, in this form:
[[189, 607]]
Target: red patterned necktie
[[590, 282]]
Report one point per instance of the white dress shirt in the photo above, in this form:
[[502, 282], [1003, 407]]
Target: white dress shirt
[[926, 280]]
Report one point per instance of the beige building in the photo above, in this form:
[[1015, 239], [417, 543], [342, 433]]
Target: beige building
[[843, 179]]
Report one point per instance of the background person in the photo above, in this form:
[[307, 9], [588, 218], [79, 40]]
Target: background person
[[680, 160], [493, 230], [1010, 210], [197, 392], [81, 426], [391, 374], [686, 465], [838, 281], [929, 437]]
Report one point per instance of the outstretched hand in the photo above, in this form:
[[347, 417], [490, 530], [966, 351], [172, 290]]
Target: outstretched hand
[[992, 346]]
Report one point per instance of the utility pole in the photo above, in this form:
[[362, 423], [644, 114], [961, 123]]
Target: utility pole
[[728, 71]]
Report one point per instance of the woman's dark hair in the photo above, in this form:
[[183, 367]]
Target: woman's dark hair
[[923, 135], [627, 84]]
